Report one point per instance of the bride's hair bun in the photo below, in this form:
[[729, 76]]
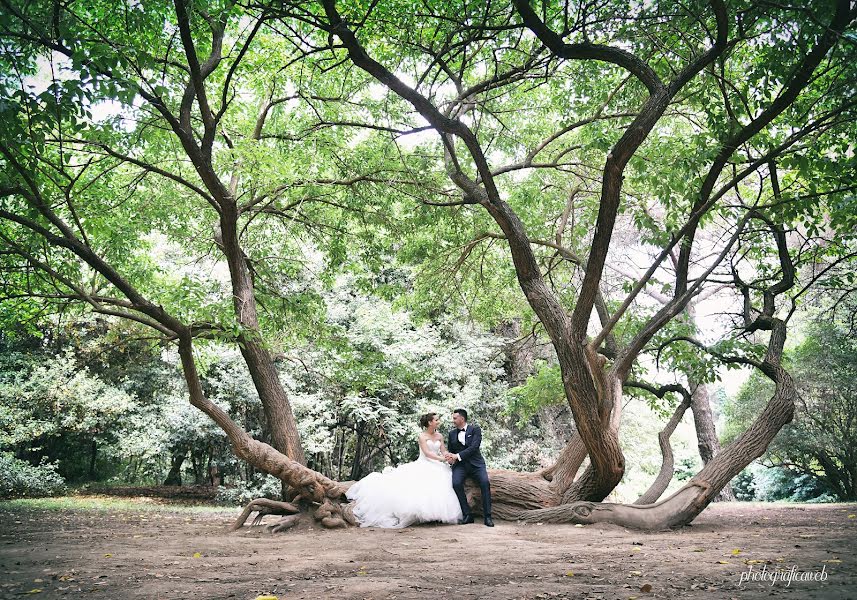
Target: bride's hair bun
[[426, 419]]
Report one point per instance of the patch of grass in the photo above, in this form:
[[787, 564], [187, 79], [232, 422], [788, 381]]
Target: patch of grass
[[108, 504]]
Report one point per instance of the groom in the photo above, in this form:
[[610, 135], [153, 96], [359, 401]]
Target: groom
[[466, 461]]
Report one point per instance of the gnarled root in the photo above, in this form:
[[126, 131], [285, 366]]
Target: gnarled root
[[333, 515], [284, 523], [264, 506], [675, 511]]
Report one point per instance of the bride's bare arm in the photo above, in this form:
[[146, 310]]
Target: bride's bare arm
[[444, 452], [424, 446]]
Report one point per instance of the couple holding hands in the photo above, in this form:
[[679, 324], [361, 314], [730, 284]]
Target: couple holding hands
[[432, 487]]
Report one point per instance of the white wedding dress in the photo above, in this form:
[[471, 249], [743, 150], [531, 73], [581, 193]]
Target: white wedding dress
[[416, 492]]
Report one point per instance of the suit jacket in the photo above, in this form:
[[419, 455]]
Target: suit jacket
[[469, 452]]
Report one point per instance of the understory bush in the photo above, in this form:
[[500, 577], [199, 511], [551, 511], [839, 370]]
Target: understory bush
[[20, 479], [266, 486]]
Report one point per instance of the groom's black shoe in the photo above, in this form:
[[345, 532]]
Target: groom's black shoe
[[465, 520], [489, 522]]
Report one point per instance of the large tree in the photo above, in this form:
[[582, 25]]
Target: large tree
[[239, 126], [178, 169], [467, 61]]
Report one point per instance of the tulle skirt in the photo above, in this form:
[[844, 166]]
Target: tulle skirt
[[416, 492]]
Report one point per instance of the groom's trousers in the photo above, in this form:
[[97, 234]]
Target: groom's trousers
[[480, 474]]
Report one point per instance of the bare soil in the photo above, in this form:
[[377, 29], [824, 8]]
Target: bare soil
[[172, 554]]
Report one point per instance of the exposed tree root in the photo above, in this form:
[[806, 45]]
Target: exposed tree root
[[666, 514], [329, 514], [284, 523], [263, 507]]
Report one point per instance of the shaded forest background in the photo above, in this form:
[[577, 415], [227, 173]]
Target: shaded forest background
[[87, 406]]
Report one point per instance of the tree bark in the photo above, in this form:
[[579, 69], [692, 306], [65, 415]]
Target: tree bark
[[92, 456], [312, 490], [174, 477], [519, 353], [563, 472], [703, 420], [665, 475], [683, 506], [260, 363], [596, 415], [706, 435]]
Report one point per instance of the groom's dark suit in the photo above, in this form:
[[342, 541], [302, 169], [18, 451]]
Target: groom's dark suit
[[471, 465]]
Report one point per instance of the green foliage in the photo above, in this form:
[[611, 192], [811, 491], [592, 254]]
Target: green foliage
[[51, 406], [744, 486], [105, 408], [263, 486], [358, 396], [20, 479], [792, 486], [687, 468], [542, 389], [56, 398]]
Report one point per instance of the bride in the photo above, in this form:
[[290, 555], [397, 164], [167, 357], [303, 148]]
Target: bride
[[416, 492]]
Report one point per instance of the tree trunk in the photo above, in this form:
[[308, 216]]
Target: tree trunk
[[92, 456], [563, 472], [275, 402], [198, 469], [683, 506], [706, 435], [174, 477], [260, 363], [357, 462], [703, 419], [519, 353], [315, 491], [665, 474], [595, 400]]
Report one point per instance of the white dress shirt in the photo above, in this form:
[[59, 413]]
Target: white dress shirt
[[461, 435]]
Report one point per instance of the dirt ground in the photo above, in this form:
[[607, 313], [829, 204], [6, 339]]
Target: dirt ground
[[172, 554]]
